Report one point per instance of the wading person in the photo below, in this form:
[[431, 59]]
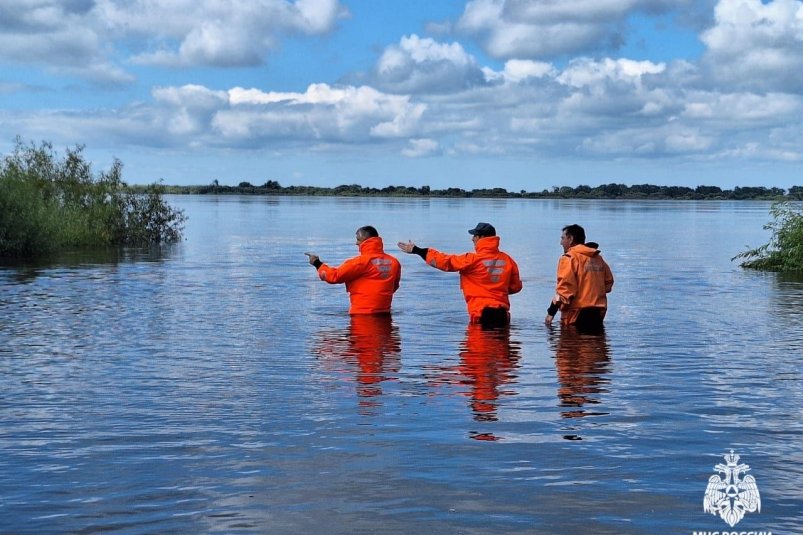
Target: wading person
[[487, 276], [371, 278], [584, 280]]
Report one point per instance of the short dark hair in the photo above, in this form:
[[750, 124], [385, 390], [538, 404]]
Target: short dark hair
[[367, 232], [577, 233]]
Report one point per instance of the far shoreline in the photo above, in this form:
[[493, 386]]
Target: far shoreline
[[605, 191]]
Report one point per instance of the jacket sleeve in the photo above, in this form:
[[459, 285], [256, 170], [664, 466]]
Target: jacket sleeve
[[397, 280], [346, 272], [608, 279], [515, 280], [567, 280], [449, 262]]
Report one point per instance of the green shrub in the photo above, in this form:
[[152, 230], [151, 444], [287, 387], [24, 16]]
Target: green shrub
[[49, 203], [28, 223], [784, 251]]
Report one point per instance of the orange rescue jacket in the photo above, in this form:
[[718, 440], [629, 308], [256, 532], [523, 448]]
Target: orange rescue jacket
[[371, 278], [487, 276], [584, 279]]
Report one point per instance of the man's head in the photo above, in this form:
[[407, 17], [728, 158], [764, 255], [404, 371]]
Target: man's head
[[572, 235], [363, 233], [482, 230]]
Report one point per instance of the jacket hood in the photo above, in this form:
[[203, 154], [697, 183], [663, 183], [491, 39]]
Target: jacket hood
[[489, 244], [372, 245], [583, 250]]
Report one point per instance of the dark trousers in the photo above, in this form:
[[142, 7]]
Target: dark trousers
[[494, 317], [589, 320]]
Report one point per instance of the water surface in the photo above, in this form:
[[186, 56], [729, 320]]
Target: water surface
[[219, 386]]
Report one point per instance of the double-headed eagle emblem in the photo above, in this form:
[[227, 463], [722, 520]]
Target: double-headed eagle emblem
[[731, 495]]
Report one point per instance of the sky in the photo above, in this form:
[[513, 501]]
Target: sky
[[518, 94]]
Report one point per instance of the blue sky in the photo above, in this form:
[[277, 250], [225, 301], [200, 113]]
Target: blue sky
[[520, 94]]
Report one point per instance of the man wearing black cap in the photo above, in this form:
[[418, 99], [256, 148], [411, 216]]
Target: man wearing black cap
[[487, 276]]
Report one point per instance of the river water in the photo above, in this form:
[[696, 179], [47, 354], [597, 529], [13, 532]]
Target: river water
[[217, 386]]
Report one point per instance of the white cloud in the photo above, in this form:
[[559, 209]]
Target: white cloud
[[517, 70], [423, 65], [418, 148], [210, 32], [586, 72], [322, 113], [431, 98], [756, 46], [93, 40], [634, 142], [611, 108], [743, 108], [49, 33], [194, 116], [547, 28], [603, 109], [190, 96]]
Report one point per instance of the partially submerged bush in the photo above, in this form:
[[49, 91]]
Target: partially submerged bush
[[784, 251], [49, 204]]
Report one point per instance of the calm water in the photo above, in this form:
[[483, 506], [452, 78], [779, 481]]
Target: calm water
[[220, 387]]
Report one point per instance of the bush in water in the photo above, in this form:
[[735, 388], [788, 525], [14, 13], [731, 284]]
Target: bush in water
[[48, 204], [784, 251]]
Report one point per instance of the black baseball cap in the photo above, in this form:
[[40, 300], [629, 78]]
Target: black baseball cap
[[482, 230]]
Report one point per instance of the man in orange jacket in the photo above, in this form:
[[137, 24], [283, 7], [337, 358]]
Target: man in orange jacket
[[371, 278], [487, 276], [584, 280]]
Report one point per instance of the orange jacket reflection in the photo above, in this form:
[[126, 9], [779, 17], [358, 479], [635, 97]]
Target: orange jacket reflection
[[582, 362], [369, 347], [487, 361], [376, 345], [487, 276], [371, 278], [584, 280]]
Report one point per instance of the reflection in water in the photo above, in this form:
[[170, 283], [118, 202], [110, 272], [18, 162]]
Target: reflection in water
[[582, 360], [23, 270], [488, 361], [786, 299], [370, 347]]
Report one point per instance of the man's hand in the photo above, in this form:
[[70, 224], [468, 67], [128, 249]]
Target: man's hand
[[406, 247], [312, 258], [554, 306]]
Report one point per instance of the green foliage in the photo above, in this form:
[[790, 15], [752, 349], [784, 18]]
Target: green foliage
[[603, 191], [49, 203], [784, 251], [28, 223]]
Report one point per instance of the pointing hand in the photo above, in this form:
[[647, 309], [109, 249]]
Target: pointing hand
[[406, 247]]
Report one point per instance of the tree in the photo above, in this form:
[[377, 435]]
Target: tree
[[708, 191], [271, 184], [796, 193], [49, 203], [784, 251]]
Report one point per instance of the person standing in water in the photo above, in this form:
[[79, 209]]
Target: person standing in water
[[487, 276], [371, 278], [583, 281]]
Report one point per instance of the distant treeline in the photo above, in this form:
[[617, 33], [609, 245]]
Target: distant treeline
[[605, 191]]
